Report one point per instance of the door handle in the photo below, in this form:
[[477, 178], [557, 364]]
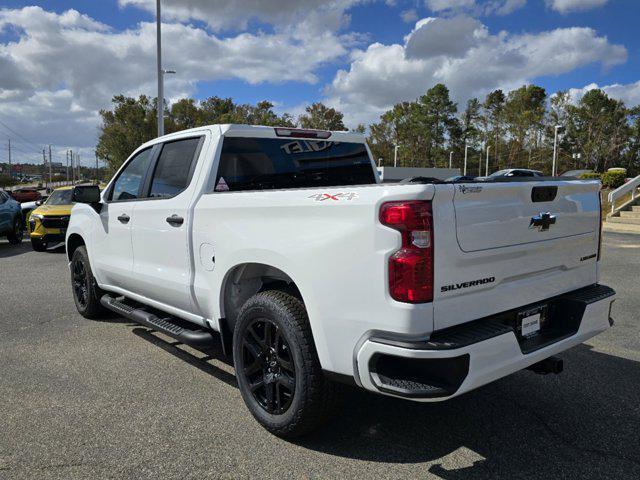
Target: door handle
[[124, 218], [175, 220]]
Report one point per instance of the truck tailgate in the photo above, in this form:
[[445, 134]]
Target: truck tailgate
[[500, 214], [508, 245]]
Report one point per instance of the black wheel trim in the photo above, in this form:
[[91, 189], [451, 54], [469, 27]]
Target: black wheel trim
[[268, 366], [18, 230], [80, 283]]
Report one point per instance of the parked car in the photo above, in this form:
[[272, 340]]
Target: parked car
[[281, 243], [513, 172], [11, 224], [29, 207], [26, 195], [48, 222]]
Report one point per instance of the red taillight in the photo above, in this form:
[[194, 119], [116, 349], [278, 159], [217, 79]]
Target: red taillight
[[411, 267]]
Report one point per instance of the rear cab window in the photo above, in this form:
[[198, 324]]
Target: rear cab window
[[269, 163]]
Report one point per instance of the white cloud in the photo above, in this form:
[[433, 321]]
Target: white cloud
[[64, 67], [566, 6], [476, 7], [442, 5], [219, 14], [461, 53], [409, 16], [629, 93]]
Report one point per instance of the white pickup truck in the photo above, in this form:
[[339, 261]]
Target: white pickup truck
[[283, 245]]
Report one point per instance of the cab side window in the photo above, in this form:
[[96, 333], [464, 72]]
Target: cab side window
[[127, 185], [174, 168]]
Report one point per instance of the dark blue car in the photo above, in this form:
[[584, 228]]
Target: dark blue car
[[11, 223]]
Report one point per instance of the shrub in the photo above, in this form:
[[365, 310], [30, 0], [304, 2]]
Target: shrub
[[613, 179], [6, 181], [591, 176]]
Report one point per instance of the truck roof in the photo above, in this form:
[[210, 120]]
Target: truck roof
[[261, 131]]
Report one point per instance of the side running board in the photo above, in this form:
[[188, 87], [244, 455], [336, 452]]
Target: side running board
[[166, 325]]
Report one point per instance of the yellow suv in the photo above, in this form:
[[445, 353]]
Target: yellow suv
[[48, 223]]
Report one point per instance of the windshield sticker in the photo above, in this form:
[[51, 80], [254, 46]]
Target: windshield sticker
[[222, 185], [306, 146], [334, 197]]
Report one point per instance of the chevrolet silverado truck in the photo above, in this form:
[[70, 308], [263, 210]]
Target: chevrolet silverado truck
[[283, 245]]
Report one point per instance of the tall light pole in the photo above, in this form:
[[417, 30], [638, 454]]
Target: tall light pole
[[466, 149], [450, 159], [395, 155], [160, 102], [558, 129], [486, 170]]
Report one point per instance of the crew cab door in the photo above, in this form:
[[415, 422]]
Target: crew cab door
[[160, 233], [112, 251]]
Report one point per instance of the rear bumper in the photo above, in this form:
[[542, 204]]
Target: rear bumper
[[460, 359]]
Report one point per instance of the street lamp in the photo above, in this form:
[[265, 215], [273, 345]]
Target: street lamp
[[466, 149], [450, 159], [558, 129], [395, 155], [486, 170], [161, 71]]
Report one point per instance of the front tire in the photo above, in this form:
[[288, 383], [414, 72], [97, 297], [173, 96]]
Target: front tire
[[86, 293], [277, 366], [16, 236]]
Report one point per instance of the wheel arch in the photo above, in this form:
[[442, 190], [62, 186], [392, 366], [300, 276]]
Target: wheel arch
[[74, 241], [244, 280]]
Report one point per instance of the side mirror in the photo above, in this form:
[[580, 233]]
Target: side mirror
[[86, 194], [39, 202]]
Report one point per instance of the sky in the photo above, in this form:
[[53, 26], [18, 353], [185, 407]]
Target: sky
[[61, 61]]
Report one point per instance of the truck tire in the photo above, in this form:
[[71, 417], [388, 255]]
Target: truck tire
[[17, 234], [277, 366], [38, 245], [86, 293]]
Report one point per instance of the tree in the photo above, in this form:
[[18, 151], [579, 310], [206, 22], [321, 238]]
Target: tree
[[599, 128], [321, 117], [524, 113], [131, 123], [435, 116], [494, 115]]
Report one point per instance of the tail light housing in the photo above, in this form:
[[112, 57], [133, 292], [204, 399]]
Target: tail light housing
[[411, 267]]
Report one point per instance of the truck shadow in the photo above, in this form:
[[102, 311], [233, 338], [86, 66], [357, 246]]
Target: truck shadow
[[583, 422]]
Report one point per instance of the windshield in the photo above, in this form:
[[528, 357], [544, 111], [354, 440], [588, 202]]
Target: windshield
[[60, 197]]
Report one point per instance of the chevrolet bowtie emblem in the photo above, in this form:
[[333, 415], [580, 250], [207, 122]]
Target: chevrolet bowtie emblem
[[543, 221]]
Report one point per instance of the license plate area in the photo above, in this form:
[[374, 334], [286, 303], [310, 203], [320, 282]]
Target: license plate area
[[531, 321]]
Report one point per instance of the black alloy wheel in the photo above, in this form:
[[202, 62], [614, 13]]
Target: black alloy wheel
[[80, 282], [268, 366], [17, 234]]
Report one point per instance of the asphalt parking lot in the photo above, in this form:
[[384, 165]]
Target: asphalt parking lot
[[110, 399]]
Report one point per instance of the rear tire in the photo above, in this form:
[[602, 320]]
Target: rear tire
[[86, 293], [277, 366], [16, 236]]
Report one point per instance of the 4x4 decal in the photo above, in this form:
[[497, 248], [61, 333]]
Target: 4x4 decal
[[335, 197]]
